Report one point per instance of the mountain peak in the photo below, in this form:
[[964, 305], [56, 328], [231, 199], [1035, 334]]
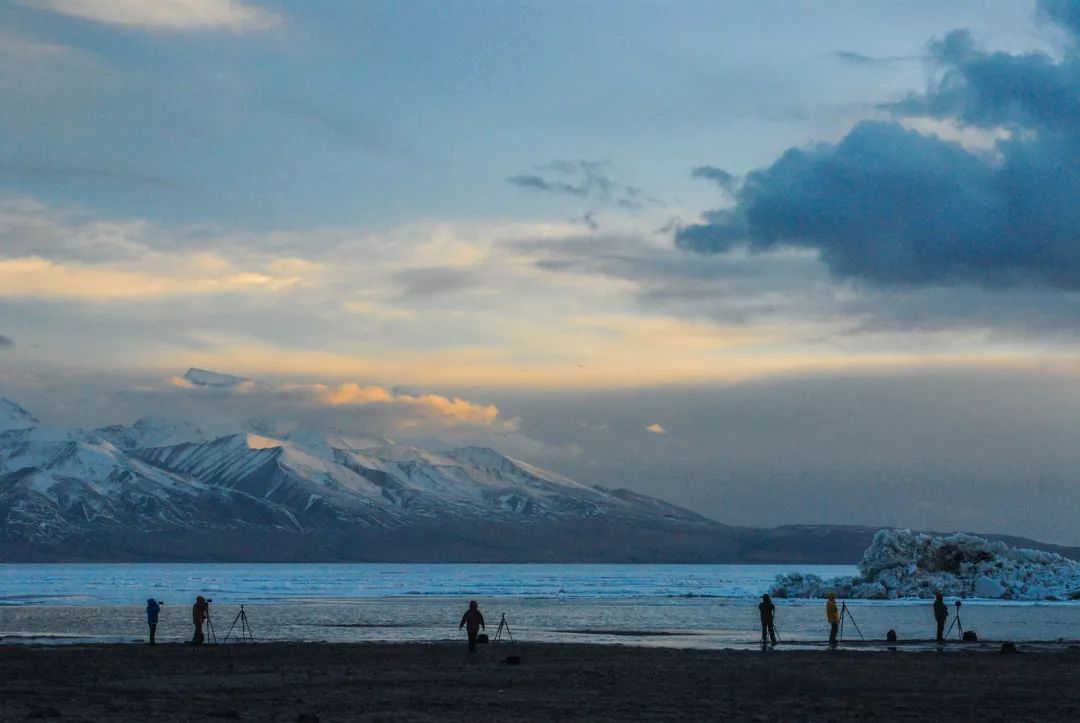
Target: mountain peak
[[206, 378], [12, 416]]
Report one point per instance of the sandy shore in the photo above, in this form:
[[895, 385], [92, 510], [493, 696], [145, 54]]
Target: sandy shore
[[302, 681]]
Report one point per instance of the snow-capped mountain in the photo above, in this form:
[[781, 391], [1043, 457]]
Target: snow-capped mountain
[[12, 416], [163, 490], [158, 488], [148, 432]]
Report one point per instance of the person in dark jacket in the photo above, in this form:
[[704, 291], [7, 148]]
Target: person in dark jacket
[[473, 622], [767, 610], [153, 607], [199, 612], [941, 614]]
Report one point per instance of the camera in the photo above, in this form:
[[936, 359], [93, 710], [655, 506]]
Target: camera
[[208, 600], [957, 603]]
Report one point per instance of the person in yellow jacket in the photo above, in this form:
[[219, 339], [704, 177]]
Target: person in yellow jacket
[[832, 614]]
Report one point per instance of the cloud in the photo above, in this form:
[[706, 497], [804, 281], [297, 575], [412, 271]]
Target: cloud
[[539, 184], [279, 407], [436, 280], [655, 429], [6, 342], [890, 206], [727, 181], [583, 179], [35, 277], [424, 407], [234, 16], [874, 61]]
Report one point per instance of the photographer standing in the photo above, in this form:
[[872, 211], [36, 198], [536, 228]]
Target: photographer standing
[[941, 614], [153, 607], [199, 612]]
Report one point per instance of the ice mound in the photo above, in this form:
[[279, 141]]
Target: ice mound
[[906, 564]]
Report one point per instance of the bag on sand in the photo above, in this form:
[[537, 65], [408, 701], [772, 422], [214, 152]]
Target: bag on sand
[[970, 636], [891, 636], [482, 638]]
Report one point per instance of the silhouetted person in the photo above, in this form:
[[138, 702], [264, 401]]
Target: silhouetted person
[[153, 607], [941, 614], [832, 614], [767, 609], [199, 612], [473, 622]]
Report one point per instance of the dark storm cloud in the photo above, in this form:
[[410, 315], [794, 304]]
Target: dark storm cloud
[[6, 342], [891, 206]]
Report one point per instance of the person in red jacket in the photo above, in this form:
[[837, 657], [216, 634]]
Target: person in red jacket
[[199, 612], [473, 622]]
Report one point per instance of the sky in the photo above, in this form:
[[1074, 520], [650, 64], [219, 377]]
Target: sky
[[780, 262]]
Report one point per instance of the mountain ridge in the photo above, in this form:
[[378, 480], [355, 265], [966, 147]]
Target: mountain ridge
[[164, 491]]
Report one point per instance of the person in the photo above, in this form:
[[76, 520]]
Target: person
[[473, 622], [767, 610], [832, 614], [153, 607], [941, 614], [200, 611]]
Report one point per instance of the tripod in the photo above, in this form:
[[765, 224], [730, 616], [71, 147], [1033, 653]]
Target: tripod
[[845, 613], [503, 625], [956, 621], [244, 634], [211, 636]]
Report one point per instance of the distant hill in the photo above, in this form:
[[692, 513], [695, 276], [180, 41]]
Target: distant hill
[[160, 491]]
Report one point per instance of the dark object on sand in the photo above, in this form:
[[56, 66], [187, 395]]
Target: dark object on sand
[[482, 638], [891, 636], [970, 636], [1009, 648], [513, 660]]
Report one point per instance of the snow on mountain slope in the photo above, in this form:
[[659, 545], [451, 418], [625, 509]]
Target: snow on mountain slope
[[12, 416], [311, 491], [149, 432], [276, 471]]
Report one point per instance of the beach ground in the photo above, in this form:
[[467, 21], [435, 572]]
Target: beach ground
[[328, 682]]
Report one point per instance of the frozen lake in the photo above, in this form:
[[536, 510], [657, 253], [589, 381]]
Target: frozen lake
[[678, 605]]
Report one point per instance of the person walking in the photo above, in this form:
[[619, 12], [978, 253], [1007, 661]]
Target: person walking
[[153, 607], [473, 622], [941, 614], [832, 614], [767, 610], [199, 612]]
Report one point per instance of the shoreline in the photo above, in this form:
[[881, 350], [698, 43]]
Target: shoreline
[[564, 681]]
